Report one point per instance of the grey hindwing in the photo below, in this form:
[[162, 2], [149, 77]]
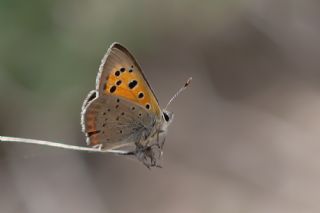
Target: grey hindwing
[[114, 122]]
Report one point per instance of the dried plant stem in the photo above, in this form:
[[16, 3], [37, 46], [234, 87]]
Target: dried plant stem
[[4, 139]]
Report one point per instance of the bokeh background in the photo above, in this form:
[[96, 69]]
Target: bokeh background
[[246, 133]]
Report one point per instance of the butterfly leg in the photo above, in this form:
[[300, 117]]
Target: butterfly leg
[[160, 143], [147, 152], [141, 155], [147, 156], [98, 146]]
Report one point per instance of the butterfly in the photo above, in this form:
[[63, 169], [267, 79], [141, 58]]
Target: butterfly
[[123, 113]]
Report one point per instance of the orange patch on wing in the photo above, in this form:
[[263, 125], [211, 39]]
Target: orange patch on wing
[[129, 85]]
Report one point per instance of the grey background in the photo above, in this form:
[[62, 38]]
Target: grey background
[[246, 133]]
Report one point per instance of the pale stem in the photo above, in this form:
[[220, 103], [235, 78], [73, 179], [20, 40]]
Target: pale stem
[[4, 139]]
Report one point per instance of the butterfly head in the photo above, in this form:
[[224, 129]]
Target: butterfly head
[[166, 120]]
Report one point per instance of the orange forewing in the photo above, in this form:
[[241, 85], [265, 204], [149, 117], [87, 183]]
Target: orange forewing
[[120, 75]]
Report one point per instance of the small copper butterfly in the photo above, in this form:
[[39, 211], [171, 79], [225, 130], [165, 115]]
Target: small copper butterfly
[[123, 113]]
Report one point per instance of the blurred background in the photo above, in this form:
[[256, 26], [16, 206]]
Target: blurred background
[[246, 133]]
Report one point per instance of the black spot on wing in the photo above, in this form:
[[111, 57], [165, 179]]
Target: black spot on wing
[[118, 82], [113, 89], [140, 95], [132, 84]]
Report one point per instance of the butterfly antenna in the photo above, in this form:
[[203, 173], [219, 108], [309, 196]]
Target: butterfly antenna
[[179, 91]]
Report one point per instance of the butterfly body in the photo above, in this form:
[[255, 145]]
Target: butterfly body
[[123, 112]]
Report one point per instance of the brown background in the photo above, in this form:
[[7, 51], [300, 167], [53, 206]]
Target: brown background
[[246, 133]]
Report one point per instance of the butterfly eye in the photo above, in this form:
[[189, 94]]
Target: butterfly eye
[[166, 116]]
